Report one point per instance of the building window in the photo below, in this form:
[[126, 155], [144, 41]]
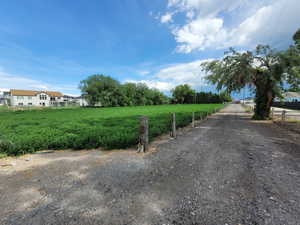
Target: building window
[[43, 97], [20, 103], [20, 97], [52, 98], [29, 103]]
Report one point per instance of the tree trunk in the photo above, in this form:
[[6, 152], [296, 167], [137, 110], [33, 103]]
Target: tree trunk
[[263, 101]]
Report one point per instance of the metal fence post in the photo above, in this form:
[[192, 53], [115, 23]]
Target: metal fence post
[[283, 115], [143, 134], [173, 125]]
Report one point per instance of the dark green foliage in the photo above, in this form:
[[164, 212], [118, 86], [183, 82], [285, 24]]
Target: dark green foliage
[[291, 60], [87, 128], [105, 91], [262, 70], [101, 90], [296, 38], [208, 97], [183, 94]]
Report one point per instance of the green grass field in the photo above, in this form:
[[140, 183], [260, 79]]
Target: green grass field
[[85, 128], [4, 109]]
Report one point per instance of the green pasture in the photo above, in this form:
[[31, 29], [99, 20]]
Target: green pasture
[[86, 128]]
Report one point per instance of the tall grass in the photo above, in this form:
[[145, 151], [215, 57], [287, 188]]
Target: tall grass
[[86, 128]]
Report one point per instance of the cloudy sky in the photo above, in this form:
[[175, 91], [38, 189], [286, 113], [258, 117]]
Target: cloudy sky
[[55, 44]]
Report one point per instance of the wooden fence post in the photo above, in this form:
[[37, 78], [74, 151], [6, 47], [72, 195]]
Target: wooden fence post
[[272, 113], [143, 134], [173, 125], [193, 119], [283, 115]]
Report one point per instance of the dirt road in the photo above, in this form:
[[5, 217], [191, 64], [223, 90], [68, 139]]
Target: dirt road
[[229, 170]]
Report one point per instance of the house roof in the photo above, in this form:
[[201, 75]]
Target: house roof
[[291, 95], [15, 92]]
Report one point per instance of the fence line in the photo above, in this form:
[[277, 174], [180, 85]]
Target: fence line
[[284, 115], [144, 127]]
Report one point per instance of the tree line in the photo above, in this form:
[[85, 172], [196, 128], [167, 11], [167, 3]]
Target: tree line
[[265, 71], [184, 94], [101, 90]]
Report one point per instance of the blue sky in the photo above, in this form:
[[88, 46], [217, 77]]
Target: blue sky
[[55, 44]]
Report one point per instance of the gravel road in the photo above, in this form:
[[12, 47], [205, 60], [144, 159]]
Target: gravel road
[[228, 170]]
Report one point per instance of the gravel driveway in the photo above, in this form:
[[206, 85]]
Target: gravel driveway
[[228, 170]]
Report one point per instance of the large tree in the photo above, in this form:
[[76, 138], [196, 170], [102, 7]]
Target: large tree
[[101, 90], [263, 70], [183, 94], [106, 91]]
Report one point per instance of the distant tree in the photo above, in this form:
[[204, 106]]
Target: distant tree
[[208, 97], [291, 60], [225, 97], [296, 38], [142, 94], [129, 91], [263, 70], [183, 94], [294, 88], [105, 91], [100, 89], [158, 98]]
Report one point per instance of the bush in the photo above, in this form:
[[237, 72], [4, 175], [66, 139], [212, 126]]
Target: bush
[[7, 147]]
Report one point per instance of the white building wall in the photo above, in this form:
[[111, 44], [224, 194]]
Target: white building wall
[[31, 100], [24, 101], [38, 100]]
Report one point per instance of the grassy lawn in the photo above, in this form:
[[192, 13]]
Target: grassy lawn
[[86, 128], [4, 109]]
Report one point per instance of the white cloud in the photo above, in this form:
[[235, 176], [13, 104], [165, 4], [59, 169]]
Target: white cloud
[[11, 81], [166, 18], [189, 73], [266, 22], [275, 23], [173, 75], [160, 85], [200, 34], [205, 7], [143, 72]]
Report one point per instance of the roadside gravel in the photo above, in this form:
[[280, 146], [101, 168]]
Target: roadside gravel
[[228, 170]]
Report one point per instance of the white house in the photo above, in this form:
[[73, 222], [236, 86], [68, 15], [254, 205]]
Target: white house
[[4, 96], [35, 98], [27, 98]]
